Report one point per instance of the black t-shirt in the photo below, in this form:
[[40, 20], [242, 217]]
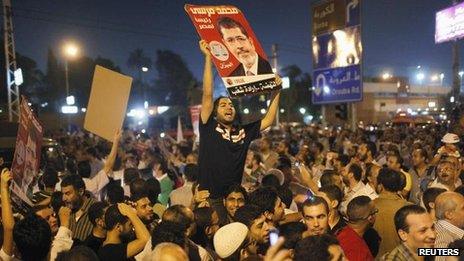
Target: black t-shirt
[[340, 224], [113, 252], [94, 242], [372, 239], [222, 154]]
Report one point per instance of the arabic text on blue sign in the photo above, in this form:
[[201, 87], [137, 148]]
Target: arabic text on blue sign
[[336, 85]]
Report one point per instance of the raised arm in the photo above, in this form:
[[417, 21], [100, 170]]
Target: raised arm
[[272, 110], [7, 213], [114, 152], [207, 98], [141, 232]]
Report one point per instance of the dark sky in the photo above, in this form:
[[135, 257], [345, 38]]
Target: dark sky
[[397, 35]]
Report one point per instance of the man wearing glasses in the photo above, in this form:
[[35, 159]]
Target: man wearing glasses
[[361, 215], [389, 201]]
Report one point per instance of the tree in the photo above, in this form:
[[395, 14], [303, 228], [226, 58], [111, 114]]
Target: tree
[[299, 93], [80, 79], [137, 59], [54, 80], [107, 63], [174, 81], [33, 86]]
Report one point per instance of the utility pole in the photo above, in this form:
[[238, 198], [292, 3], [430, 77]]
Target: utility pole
[[353, 116], [274, 64], [456, 78], [10, 63]]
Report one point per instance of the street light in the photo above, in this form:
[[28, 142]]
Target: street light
[[386, 76], [144, 69], [70, 51], [420, 76], [302, 110]]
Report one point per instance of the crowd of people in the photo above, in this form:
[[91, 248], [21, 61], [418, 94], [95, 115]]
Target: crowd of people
[[244, 192]]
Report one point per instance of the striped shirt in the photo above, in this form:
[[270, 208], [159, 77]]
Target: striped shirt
[[446, 233], [82, 227], [400, 253]]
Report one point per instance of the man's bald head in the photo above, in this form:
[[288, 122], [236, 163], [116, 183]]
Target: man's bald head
[[167, 252], [180, 215], [449, 206], [361, 209]]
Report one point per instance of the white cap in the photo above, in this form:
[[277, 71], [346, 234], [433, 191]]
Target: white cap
[[450, 138], [229, 238]]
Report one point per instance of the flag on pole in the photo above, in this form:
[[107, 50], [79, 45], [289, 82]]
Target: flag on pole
[[180, 136]]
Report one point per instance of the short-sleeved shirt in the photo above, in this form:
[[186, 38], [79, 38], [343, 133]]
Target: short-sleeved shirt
[[82, 227], [222, 154], [113, 252], [94, 242], [353, 245]]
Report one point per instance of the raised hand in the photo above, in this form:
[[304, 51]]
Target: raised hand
[[64, 214], [5, 178], [117, 136], [277, 253], [125, 209], [278, 80], [204, 47]]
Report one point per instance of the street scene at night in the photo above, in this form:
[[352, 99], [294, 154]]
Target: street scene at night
[[241, 130]]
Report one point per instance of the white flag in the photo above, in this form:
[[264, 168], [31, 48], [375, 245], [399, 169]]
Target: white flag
[[180, 136]]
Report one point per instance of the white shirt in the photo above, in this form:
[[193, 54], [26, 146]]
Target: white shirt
[[183, 195], [97, 183], [359, 190], [437, 184], [254, 67], [62, 242]]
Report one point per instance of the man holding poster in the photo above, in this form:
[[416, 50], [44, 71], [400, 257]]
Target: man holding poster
[[235, 50], [223, 142], [236, 38]]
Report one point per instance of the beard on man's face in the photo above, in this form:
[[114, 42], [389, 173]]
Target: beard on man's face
[[128, 236]]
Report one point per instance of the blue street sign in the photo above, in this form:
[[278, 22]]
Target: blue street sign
[[337, 52], [337, 85]]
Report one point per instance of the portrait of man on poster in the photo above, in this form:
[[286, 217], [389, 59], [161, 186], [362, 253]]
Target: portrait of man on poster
[[241, 45]]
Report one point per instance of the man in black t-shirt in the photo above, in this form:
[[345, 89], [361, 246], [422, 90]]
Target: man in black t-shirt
[[98, 235], [119, 220], [224, 145]]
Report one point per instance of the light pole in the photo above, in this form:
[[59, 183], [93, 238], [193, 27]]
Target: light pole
[[142, 84], [70, 51]]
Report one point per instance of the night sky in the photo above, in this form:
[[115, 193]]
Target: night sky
[[397, 35]]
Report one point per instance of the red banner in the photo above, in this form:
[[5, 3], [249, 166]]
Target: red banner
[[26, 161], [237, 53]]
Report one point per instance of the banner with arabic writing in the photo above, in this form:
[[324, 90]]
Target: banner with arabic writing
[[236, 52], [26, 161]]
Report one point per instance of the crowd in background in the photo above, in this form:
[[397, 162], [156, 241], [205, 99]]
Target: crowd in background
[[327, 193]]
